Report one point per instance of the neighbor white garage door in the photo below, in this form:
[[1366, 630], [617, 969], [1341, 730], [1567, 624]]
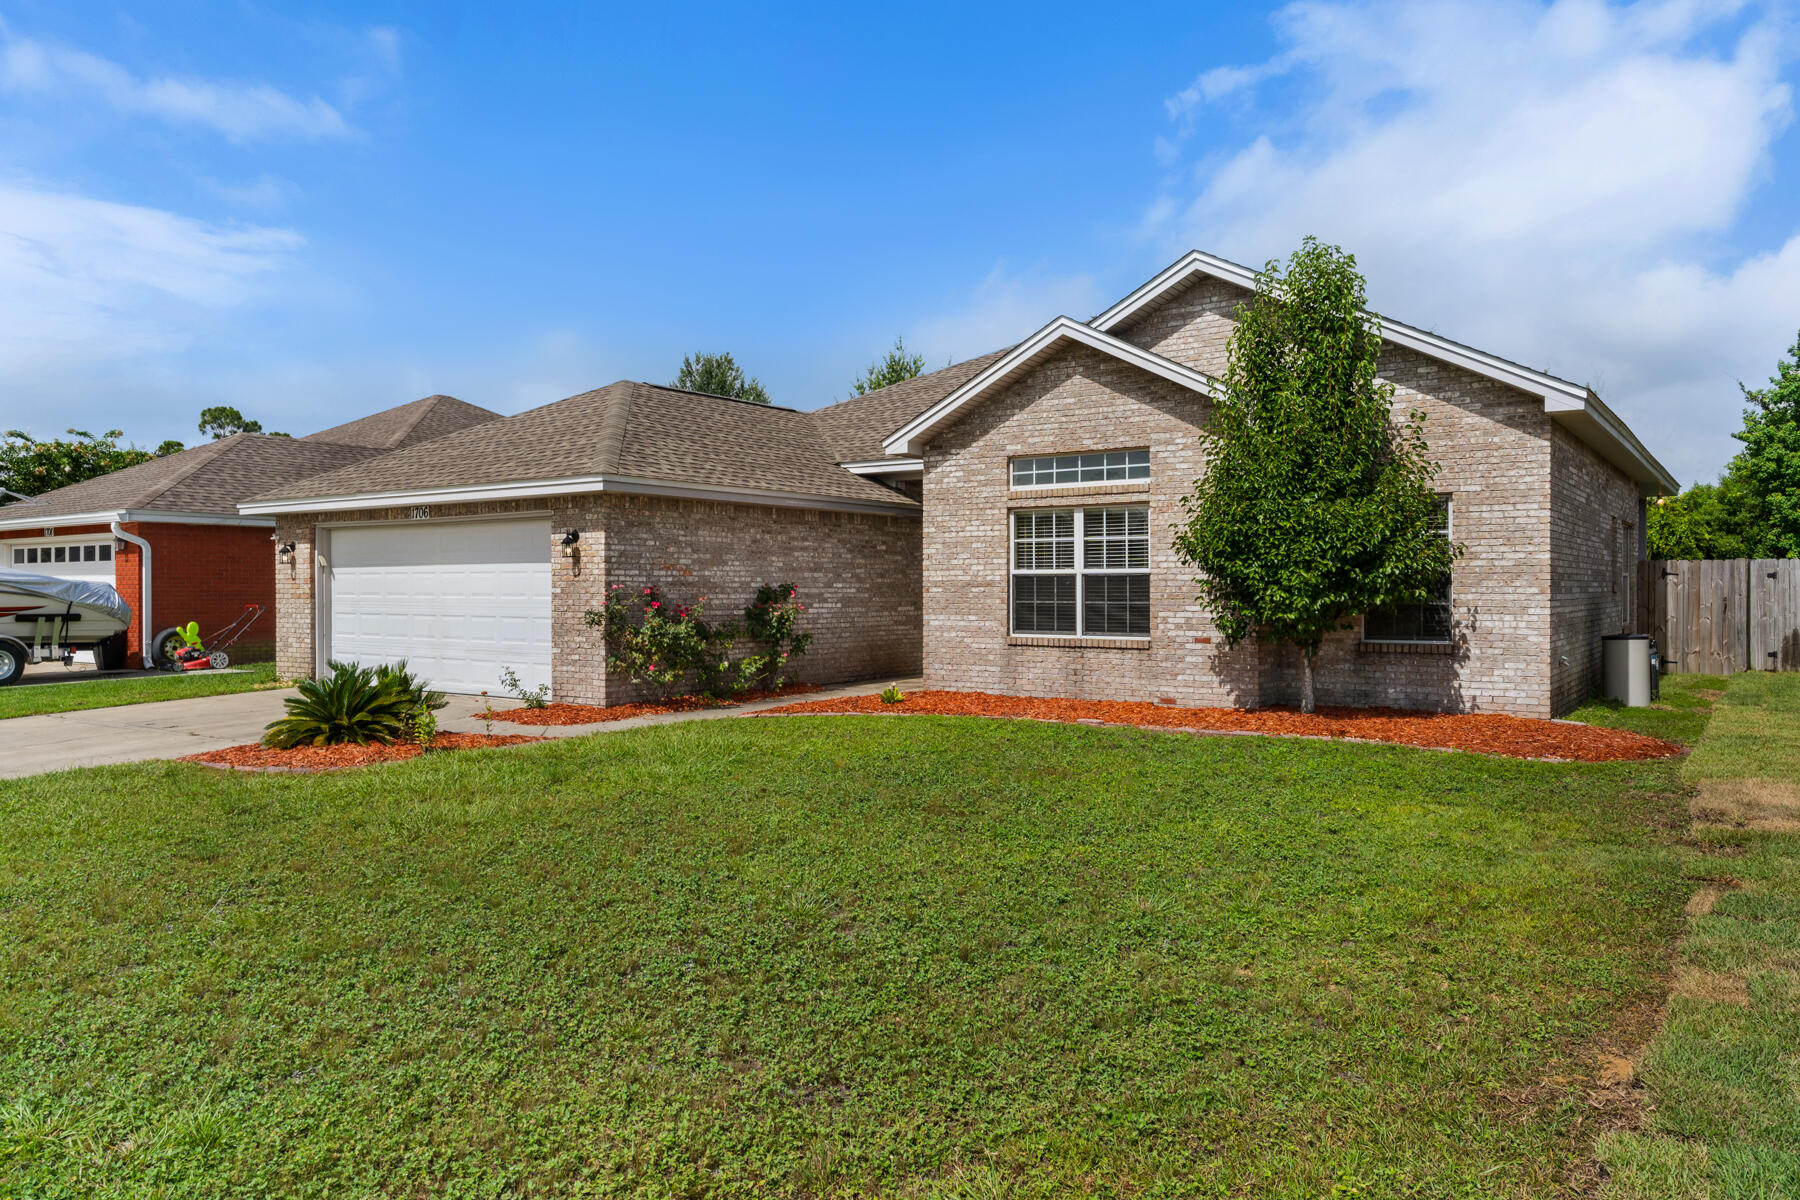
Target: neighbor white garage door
[[459, 602]]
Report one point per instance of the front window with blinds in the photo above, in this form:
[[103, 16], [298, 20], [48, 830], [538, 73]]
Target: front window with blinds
[[1081, 572], [1426, 622], [1111, 466]]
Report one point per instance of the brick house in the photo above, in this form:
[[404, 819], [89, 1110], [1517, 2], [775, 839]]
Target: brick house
[[1077, 445], [1002, 523], [174, 521]]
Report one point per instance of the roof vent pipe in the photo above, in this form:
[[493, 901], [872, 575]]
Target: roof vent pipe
[[118, 531]]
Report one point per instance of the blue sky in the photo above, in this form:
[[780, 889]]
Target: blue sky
[[313, 213]]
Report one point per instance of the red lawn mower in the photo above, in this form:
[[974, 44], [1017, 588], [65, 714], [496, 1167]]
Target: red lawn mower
[[179, 647]]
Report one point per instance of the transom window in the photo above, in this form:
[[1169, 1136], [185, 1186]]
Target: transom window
[[1081, 572], [1427, 621], [1111, 466], [38, 555]]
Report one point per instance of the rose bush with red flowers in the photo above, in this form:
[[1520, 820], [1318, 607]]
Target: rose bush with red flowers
[[669, 647]]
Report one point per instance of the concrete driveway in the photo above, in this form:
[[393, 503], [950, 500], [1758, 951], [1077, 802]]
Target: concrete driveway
[[174, 728]]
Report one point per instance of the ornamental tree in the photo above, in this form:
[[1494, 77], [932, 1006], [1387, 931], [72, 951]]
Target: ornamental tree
[[1316, 505]]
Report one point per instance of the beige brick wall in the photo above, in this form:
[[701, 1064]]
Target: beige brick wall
[[1078, 400], [858, 575], [1493, 447], [1595, 540], [1493, 444]]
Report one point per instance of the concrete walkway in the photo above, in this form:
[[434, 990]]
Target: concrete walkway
[[174, 728]]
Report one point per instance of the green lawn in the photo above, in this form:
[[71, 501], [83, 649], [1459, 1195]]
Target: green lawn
[[1679, 714], [1724, 1073], [827, 957], [24, 700]]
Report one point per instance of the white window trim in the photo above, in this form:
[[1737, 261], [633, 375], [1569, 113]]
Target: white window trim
[[1450, 639], [1080, 571], [1077, 484]]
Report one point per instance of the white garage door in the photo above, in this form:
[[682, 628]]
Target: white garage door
[[459, 602]]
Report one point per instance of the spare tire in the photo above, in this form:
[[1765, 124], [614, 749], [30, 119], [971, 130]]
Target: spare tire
[[160, 653]]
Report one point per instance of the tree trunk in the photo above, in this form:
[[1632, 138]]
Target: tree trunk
[[1306, 684]]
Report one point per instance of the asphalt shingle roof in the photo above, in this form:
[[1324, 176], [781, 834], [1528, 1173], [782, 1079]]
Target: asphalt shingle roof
[[854, 429], [631, 429], [407, 425], [208, 479]]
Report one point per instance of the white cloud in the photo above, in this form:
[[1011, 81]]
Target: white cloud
[[1552, 182], [240, 111], [84, 279]]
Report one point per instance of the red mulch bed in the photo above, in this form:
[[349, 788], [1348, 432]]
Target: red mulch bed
[[1482, 733], [256, 757], [594, 714]]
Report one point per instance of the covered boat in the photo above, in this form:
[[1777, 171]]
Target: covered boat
[[44, 617]]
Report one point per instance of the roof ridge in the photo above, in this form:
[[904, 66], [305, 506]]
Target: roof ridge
[[663, 387], [218, 446], [613, 424]]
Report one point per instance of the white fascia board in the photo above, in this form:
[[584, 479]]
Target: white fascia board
[[27, 521], [885, 466], [1577, 406], [910, 438], [1608, 437], [579, 485], [127, 516], [150, 516], [1558, 394]]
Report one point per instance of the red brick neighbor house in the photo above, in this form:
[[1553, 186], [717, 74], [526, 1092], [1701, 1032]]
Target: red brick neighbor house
[[1003, 525], [167, 532]]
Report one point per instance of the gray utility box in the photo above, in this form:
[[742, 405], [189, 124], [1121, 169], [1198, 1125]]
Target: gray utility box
[[1625, 658]]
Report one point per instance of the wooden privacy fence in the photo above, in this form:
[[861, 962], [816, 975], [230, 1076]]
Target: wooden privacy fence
[[1718, 615]]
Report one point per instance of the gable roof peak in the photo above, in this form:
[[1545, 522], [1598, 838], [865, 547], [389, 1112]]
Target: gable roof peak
[[911, 437]]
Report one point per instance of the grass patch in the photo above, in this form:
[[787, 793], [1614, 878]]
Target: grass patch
[[1680, 714], [32, 699], [1724, 1073], [829, 957]]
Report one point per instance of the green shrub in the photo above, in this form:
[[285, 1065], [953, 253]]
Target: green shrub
[[892, 695], [537, 697], [773, 622], [356, 704], [667, 646]]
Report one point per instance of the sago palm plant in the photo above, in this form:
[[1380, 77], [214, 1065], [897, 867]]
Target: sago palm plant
[[353, 704]]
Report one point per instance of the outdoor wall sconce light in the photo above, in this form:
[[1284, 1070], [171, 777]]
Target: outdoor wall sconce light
[[285, 554], [571, 551]]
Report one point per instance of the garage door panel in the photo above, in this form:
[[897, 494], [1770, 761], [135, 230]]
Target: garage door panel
[[460, 603]]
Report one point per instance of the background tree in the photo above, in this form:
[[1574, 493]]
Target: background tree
[[1315, 506], [1769, 464], [168, 447], [221, 421], [718, 375], [1709, 520], [897, 367], [32, 467], [1754, 509]]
